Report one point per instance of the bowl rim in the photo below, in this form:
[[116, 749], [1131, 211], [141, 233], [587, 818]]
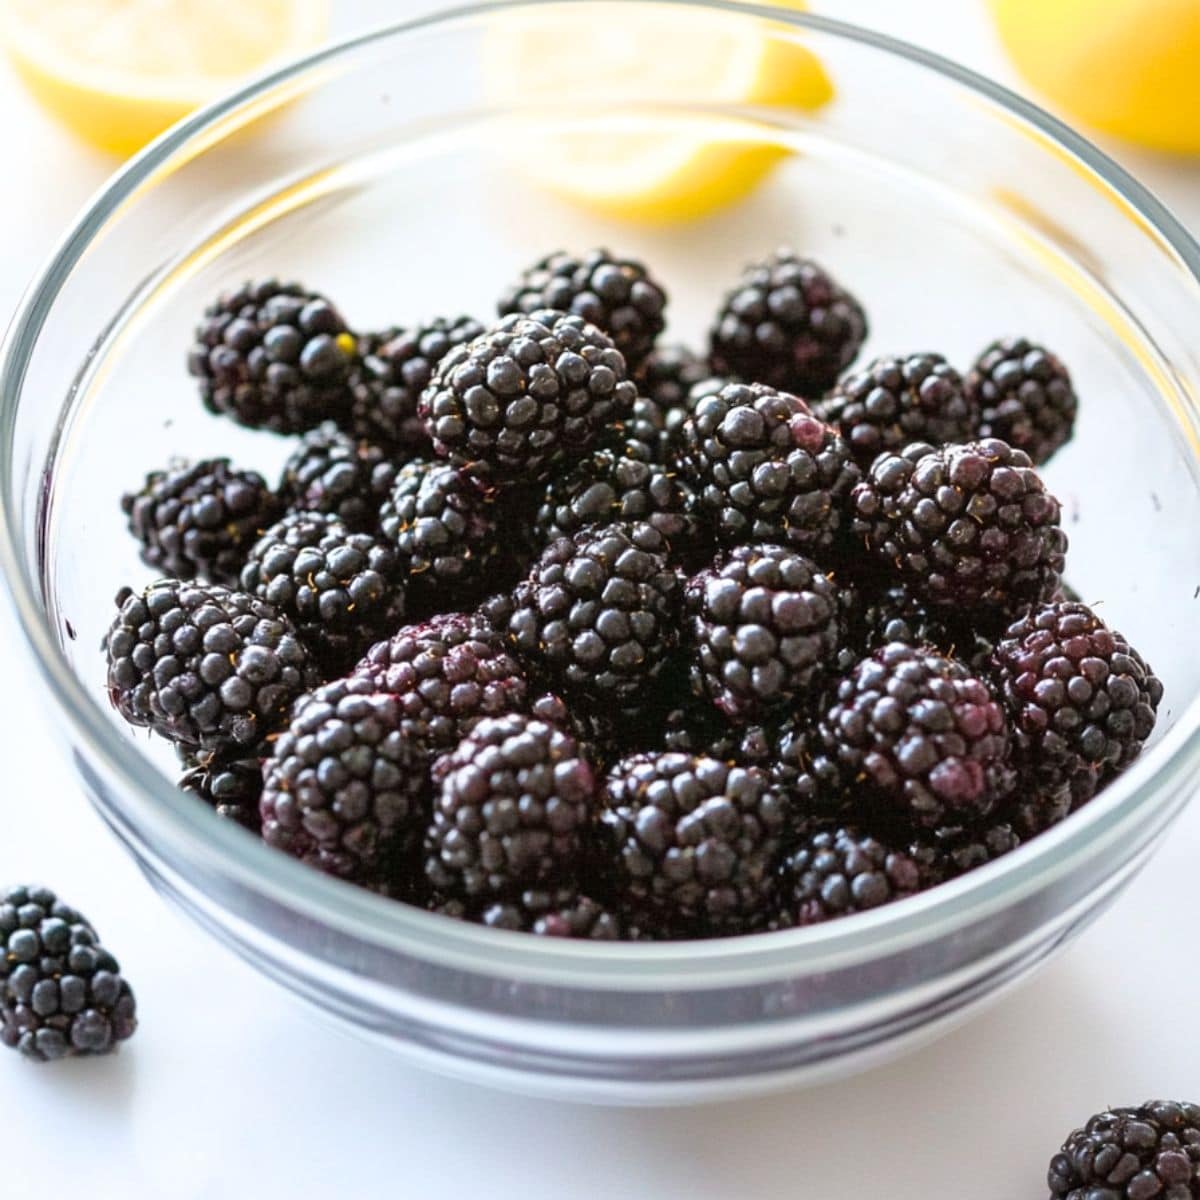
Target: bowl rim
[[219, 847]]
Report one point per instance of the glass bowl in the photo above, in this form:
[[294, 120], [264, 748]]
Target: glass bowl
[[383, 173]]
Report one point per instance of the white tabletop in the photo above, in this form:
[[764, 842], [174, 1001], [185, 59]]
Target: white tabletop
[[230, 1089]]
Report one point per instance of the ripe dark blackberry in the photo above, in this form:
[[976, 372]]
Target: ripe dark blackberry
[[198, 521], [448, 673], [393, 368], [763, 626], [787, 325], [953, 850], [899, 400], [342, 590], [61, 993], [507, 404], [204, 667], [665, 381], [340, 474], [273, 356], [1081, 700], [1023, 395], [553, 912], [597, 615], [894, 614], [920, 737], [230, 789], [692, 844], [765, 468], [1146, 1153], [616, 295], [511, 806], [346, 786], [966, 527]]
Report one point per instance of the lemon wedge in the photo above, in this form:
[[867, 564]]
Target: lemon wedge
[[661, 161], [119, 72]]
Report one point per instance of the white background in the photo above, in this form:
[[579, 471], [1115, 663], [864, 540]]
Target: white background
[[230, 1090]]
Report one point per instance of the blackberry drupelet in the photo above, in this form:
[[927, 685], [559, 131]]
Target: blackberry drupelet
[[554, 912], [1146, 1153], [205, 667], [273, 356], [966, 527], [1081, 700], [763, 627], [692, 844], [198, 521], [616, 295], [1023, 394], [898, 400], [341, 590], [340, 474], [61, 993], [346, 786], [787, 325], [511, 807], [393, 368], [917, 735], [597, 615], [665, 381], [765, 468], [231, 789]]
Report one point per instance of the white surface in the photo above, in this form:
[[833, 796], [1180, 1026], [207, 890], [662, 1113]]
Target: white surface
[[231, 1090]]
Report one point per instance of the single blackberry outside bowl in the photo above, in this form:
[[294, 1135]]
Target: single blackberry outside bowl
[[91, 375]]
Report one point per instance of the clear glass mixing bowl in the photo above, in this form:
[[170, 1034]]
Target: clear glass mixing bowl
[[381, 173]]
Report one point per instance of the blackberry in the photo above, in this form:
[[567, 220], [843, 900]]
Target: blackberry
[[966, 527], [393, 368], [765, 468], [204, 667], [448, 673], [692, 843], [506, 405], [953, 850], [1081, 700], [899, 400], [802, 770], [616, 295], [198, 521], [553, 912], [230, 789], [763, 626], [62, 994], [339, 474], [511, 806], [346, 786], [340, 589], [787, 325], [273, 356], [665, 381], [1146, 1153], [597, 613], [1023, 394], [920, 736], [895, 614]]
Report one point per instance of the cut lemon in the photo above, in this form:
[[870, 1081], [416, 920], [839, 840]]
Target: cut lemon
[[119, 72], [658, 159]]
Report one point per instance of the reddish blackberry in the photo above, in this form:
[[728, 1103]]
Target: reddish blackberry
[[230, 789], [340, 589], [61, 992], [787, 325], [346, 786], [393, 368], [511, 807], [553, 912], [765, 468], [966, 527], [597, 613], [198, 521], [953, 850], [899, 400], [763, 625], [692, 843], [336, 473], [448, 673], [1146, 1153], [616, 295], [204, 667], [1081, 700], [919, 736], [273, 356], [1023, 395]]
